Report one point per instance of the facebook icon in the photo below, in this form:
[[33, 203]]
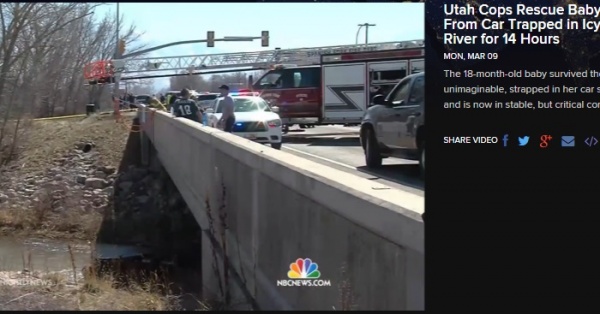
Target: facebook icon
[[505, 140]]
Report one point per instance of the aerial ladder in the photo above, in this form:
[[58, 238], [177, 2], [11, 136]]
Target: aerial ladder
[[234, 61]]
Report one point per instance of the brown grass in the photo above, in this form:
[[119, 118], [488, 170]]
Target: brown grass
[[92, 292], [95, 293], [105, 293], [43, 142], [33, 222], [54, 137]]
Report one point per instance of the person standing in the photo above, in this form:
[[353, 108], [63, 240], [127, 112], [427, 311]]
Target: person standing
[[131, 101], [186, 108], [228, 118], [171, 101]]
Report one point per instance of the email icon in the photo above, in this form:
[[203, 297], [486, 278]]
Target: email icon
[[567, 141]]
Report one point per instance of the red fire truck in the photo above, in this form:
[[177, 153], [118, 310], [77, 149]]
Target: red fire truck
[[339, 89]]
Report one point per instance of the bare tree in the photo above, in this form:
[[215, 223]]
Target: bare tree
[[43, 50]]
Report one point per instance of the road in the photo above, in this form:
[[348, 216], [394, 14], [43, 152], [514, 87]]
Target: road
[[339, 147]]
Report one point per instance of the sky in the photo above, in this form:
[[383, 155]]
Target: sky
[[290, 25]]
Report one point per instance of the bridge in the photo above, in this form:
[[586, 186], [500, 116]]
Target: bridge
[[280, 207]]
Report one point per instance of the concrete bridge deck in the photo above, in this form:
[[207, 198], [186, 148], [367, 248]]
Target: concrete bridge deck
[[268, 208]]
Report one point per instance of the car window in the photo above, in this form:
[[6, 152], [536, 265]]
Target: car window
[[143, 99], [245, 105], [206, 97], [400, 92], [417, 66], [417, 92]]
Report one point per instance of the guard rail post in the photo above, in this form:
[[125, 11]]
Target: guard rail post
[[145, 141]]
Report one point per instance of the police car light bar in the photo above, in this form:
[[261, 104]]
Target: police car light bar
[[244, 92]]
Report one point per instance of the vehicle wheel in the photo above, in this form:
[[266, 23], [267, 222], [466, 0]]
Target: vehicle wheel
[[422, 161], [372, 155], [303, 126], [276, 145], [285, 129]]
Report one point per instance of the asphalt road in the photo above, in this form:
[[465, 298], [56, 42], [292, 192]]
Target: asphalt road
[[339, 147]]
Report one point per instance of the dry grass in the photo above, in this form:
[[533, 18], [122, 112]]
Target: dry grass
[[43, 142], [105, 293], [68, 290], [54, 137], [95, 293], [33, 222]]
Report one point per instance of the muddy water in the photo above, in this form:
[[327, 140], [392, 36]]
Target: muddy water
[[42, 255]]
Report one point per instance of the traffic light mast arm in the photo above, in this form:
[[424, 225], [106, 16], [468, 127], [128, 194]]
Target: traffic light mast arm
[[177, 43]]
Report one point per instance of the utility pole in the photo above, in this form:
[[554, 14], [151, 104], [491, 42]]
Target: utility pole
[[366, 26]]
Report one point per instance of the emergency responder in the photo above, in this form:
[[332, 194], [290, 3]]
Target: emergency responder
[[172, 101], [156, 104]]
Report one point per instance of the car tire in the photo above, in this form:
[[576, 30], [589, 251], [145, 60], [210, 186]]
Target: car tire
[[276, 145], [422, 160], [372, 156]]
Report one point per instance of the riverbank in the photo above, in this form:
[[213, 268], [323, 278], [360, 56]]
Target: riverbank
[[21, 291], [59, 185]]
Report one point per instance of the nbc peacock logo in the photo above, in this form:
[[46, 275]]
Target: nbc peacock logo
[[304, 269], [304, 272]]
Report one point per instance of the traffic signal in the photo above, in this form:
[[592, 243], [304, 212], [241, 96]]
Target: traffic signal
[[121, 47], [265, 39], [210, 39]]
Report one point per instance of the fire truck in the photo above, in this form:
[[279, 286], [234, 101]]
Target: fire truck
[[315, 85], [340, 88]]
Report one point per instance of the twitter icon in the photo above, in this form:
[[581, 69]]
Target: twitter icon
[[523, 140]]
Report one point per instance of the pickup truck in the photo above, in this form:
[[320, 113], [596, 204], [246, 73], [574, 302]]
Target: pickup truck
[[394, 126]]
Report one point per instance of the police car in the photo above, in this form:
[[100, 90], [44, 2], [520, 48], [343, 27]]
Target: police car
[[254, 118]]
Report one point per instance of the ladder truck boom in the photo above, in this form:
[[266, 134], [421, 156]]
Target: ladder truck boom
[[250, 60]]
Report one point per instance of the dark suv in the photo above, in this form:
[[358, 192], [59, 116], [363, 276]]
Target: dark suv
[[395, 125]]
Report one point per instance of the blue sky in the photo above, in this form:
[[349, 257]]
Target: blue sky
[[290, 25]]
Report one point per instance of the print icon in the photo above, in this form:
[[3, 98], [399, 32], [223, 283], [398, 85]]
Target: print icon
[[545, 140], [591, 141], [567, 141], [523, 140], [303, 269]]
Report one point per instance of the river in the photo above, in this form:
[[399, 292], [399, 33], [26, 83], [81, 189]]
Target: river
[[42, 254]]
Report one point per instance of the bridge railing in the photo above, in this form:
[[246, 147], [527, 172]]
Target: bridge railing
[[280, 207]]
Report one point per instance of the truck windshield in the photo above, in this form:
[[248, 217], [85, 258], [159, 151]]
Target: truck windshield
[[271, 79], [309, 77]]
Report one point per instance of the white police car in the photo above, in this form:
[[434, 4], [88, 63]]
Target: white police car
[[254, 119]]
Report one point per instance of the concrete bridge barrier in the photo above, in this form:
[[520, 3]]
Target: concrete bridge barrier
[[261, 209]]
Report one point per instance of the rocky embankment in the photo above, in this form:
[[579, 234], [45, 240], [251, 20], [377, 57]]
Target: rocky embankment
[[69, 196], [149, 211]]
